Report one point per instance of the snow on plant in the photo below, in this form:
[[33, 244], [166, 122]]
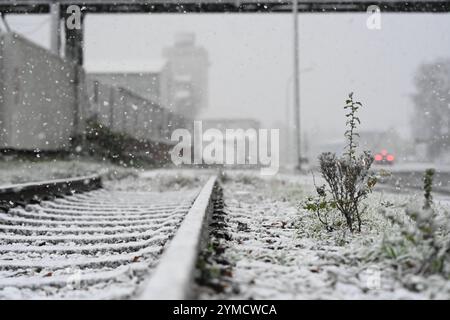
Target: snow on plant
[[322, 208], [348, 178], [422, 245], [427, 187]]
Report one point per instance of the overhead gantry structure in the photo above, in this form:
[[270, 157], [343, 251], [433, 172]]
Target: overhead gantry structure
[[184, 6], [74, 37]]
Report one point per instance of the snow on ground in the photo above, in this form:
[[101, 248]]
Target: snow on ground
[[173, 179], [101, 244], [277, 252], [15, 171], [95, 245], [23, 171]]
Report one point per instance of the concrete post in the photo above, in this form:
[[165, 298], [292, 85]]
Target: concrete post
[[296, 86], [73, 51], [55, 28]]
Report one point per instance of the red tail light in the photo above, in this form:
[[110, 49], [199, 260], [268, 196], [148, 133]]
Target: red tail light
[[390, 157], [378, 157]]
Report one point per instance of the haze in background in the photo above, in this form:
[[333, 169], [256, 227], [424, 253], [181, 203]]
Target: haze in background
[[251, 61]]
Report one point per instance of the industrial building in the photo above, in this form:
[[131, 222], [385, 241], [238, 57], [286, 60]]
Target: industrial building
[[38, 109], [148, 79], [189, 64], [38, 116]]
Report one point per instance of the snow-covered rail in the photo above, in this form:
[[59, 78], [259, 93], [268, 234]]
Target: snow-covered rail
[[174, 274], [10, 196], [97, 244]]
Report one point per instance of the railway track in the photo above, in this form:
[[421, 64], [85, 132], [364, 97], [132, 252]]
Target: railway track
[[74, 239], [101, 244]]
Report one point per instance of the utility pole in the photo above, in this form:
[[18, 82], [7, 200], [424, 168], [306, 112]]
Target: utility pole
[[55, 37], [288, 123], [73, 51], [296, 86]]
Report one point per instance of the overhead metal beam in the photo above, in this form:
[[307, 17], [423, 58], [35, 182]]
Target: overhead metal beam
[[223, 6]]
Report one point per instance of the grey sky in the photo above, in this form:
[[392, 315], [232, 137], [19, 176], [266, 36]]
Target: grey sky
[[251, 60]]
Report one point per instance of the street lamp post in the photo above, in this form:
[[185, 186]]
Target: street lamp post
[[288, 106], [296, 85]]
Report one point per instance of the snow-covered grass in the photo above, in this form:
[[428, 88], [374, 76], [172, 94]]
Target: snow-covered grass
[[279, 251]]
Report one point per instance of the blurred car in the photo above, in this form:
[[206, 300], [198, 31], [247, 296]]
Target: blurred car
[[384, 158]]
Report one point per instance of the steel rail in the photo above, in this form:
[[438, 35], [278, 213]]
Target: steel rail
[[173, 276], [34, 192]]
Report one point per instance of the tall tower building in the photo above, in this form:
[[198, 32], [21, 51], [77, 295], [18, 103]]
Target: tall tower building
[[188, 64]]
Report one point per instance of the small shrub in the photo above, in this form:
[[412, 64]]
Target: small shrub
[[348, 178], [322, 208], [427, 187]]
